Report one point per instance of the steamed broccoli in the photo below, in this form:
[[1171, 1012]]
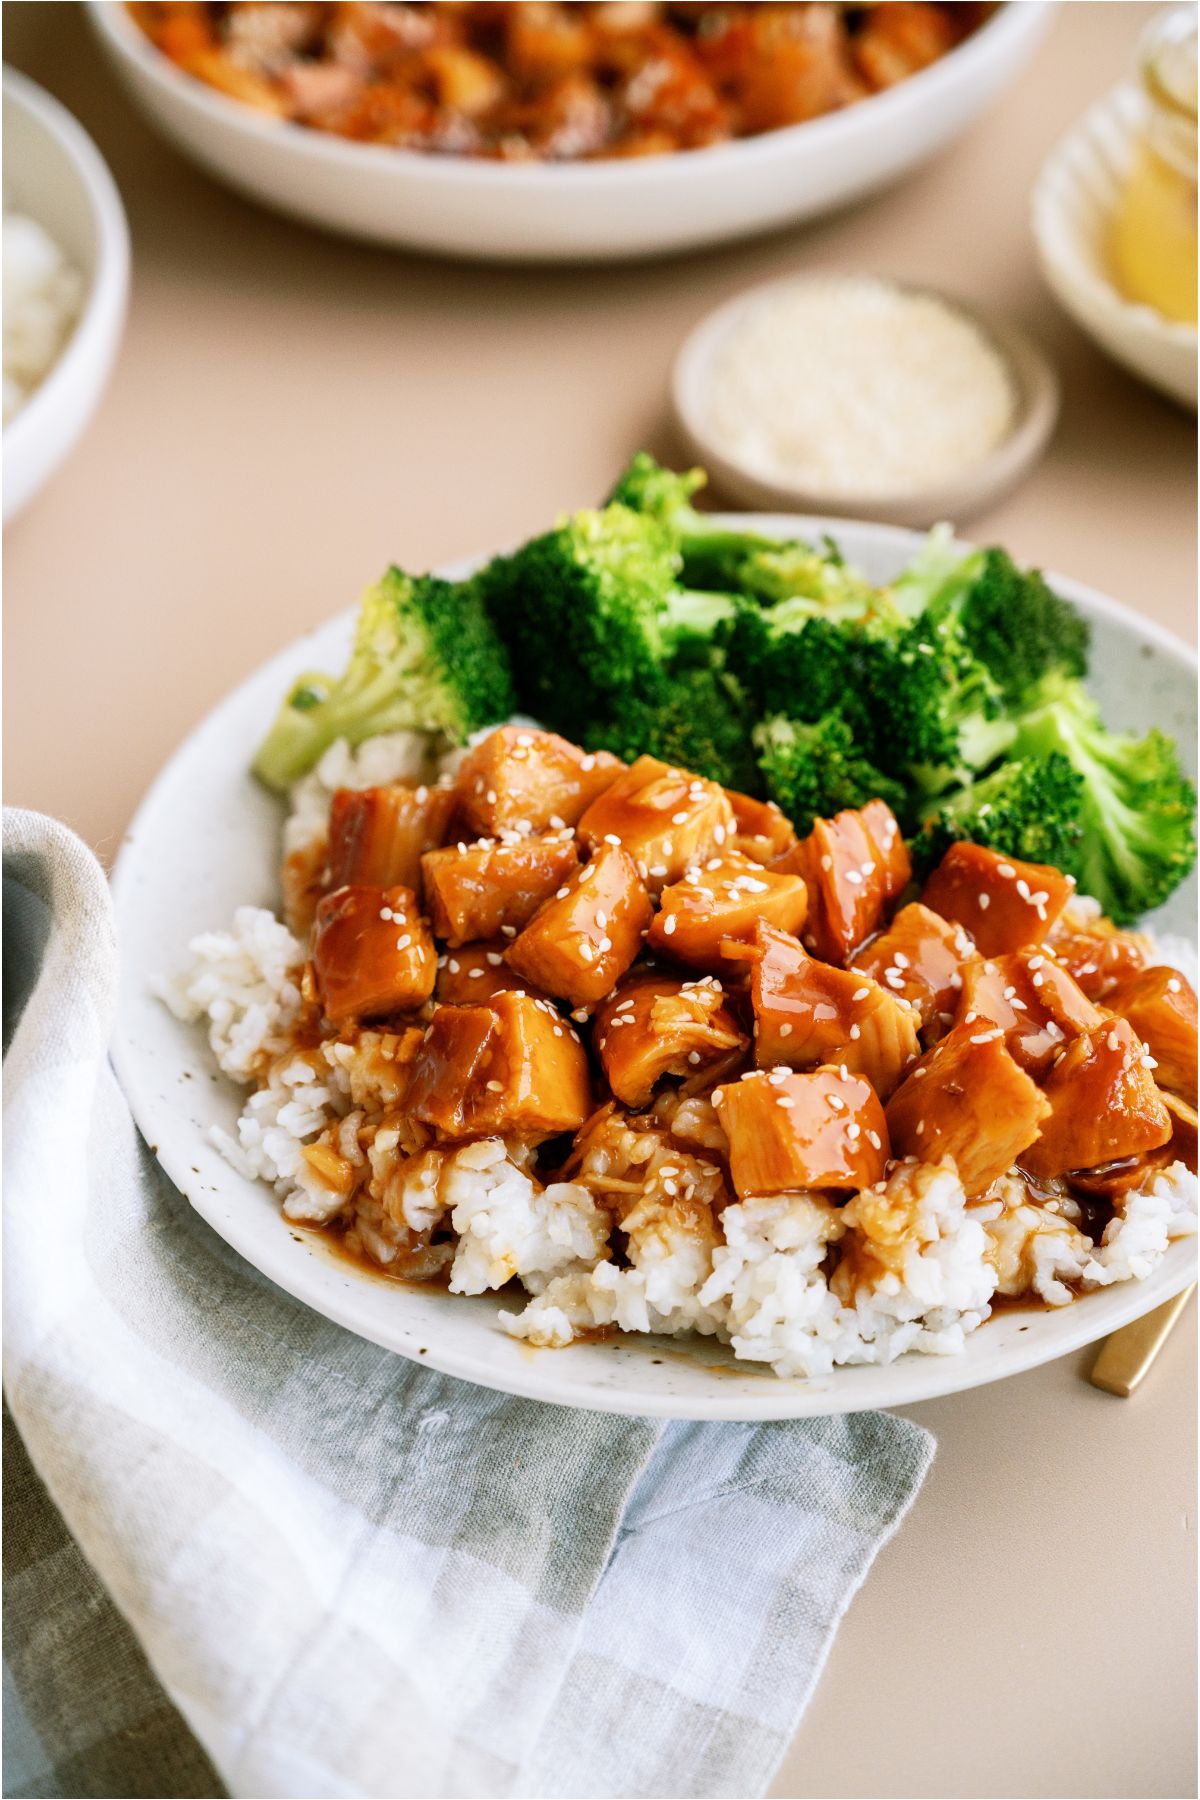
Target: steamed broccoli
[[932, 710], [1137, 809], [815, 770], [700, 722], [745, 562], [1017, 626], [425, 658], [1029, 809]]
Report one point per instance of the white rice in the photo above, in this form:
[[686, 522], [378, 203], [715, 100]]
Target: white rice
[[43, 296]]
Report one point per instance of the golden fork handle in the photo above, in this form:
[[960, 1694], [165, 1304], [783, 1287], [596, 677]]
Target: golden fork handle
[[1126, 1356]]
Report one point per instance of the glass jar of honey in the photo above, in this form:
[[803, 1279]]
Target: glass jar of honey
[[1154, 244]]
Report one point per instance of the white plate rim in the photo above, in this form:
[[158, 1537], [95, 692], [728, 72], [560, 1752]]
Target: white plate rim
[[547, 1375]]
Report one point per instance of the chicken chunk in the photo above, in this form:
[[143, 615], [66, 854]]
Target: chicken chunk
[[1096, 953], [474, 972], [489, 889], [1004, 904], [967, 1099], [1161, 1006], [920, 958], [726, 899], [378, 836], [511, 1068], [824, 1128], [1103, 1104], [580, 942], [372, 952], [761, 830], [656, 1026], [855, 865], [1034, 1002], [521, 779], [807, 1012], [667, 820]]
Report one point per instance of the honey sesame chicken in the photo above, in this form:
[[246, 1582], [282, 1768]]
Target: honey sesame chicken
[[641, 996], [1004, 904], [667, 821], [1096, 952], [1102, 1104], [724, 900], [920, 957], [807, 1012], [372, 952], [471, 973], [970, 1100], [581, 941], [761, 831], [493, 887], [512, 1066], [520, 779], [854, 865], [1160, 1004], [1034, 1001], [824, 1128], [657, 1025], [378, 835]]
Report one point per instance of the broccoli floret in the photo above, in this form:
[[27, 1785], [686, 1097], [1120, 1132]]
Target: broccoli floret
[[1019, 628], [597, 627], [700, 722], [793, 663], [932, 711], [1137, 808], [425, 658], [815, 770], [741, 562], [1028, 809]]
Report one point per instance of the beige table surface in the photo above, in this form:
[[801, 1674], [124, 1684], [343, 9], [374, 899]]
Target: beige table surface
[[290, 411]]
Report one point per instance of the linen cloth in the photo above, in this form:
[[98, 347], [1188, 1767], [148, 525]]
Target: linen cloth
[[272, 1559]]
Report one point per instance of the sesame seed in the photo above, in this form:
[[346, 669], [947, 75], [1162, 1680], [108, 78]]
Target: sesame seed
[[509, 930], [987, 1037], [610, 837], [1005, 869], [474, 974], [854, 878], [494, 958], [856, 1031], [920, 1132], [836, 1101], [785, 1031], [1113, 1041], [985, 900], [605, 944], [562, 893], [385, 912], [853, 1129], [718, 1094], [900, 960], [679, 818], [586, 951], [453, 965], [495, 1087], [669, 925], [875, 1139]]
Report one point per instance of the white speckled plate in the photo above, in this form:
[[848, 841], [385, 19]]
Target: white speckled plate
[[206, 840]]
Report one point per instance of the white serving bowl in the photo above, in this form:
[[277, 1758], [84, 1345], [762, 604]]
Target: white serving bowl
[[570, 212], [1072, 209], [55, 174]]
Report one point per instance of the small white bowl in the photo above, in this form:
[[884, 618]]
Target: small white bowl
[[955, 498], [55, 174], [574, 212], [1073, 205]]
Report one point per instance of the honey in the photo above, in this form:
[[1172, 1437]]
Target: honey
[[1154, 242]]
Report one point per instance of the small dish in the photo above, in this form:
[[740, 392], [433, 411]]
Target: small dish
[[1073, 204], [206, 840], [574, 212], [956, 498], [54, 172]]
